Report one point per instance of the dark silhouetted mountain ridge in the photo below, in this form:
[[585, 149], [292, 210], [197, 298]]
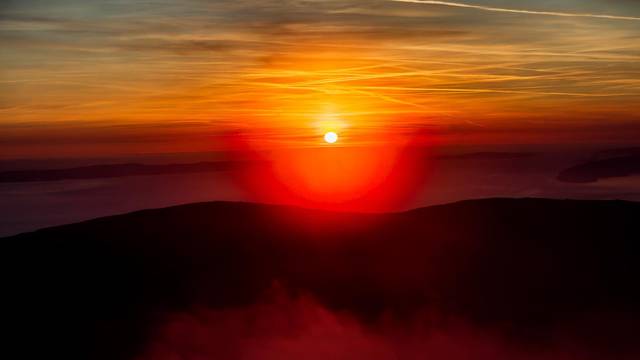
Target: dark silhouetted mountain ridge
[[523, 268]]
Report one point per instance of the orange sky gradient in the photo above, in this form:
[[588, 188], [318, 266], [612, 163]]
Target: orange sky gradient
[[98, 78]]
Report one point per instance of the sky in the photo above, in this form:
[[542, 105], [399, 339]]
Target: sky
[[97, 78]]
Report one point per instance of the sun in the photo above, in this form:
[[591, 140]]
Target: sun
[[330, 137]]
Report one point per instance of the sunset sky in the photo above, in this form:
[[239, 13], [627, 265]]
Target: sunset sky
[[97, 78]]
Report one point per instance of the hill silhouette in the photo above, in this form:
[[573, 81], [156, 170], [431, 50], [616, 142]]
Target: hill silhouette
[[601, 169], [525, 269], [112, 171], [604, 164]]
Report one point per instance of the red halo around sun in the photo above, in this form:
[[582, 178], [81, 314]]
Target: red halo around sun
[[380, 176]]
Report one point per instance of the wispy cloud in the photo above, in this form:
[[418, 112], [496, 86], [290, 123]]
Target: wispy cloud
[[283, 64], [519, 11]]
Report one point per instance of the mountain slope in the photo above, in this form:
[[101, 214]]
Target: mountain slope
[[521, 268]]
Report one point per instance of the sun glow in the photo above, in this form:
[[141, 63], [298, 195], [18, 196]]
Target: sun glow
[[378, 174], [331, 137], [325, 147]]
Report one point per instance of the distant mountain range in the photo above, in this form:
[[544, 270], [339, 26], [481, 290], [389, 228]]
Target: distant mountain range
[[594, 170], [487, 155], [526, 269], [111, 171], [135, 169]]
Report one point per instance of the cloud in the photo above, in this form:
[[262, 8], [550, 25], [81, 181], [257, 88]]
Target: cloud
[[284, 64], [283, 326], [519, 11]]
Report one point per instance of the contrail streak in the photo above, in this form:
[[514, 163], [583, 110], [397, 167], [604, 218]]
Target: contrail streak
[[518, 11]]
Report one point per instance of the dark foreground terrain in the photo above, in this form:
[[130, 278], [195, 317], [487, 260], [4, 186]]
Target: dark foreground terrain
[[486, 279]]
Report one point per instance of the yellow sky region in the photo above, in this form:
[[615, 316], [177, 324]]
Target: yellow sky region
[[294, 96], [317, 80]]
